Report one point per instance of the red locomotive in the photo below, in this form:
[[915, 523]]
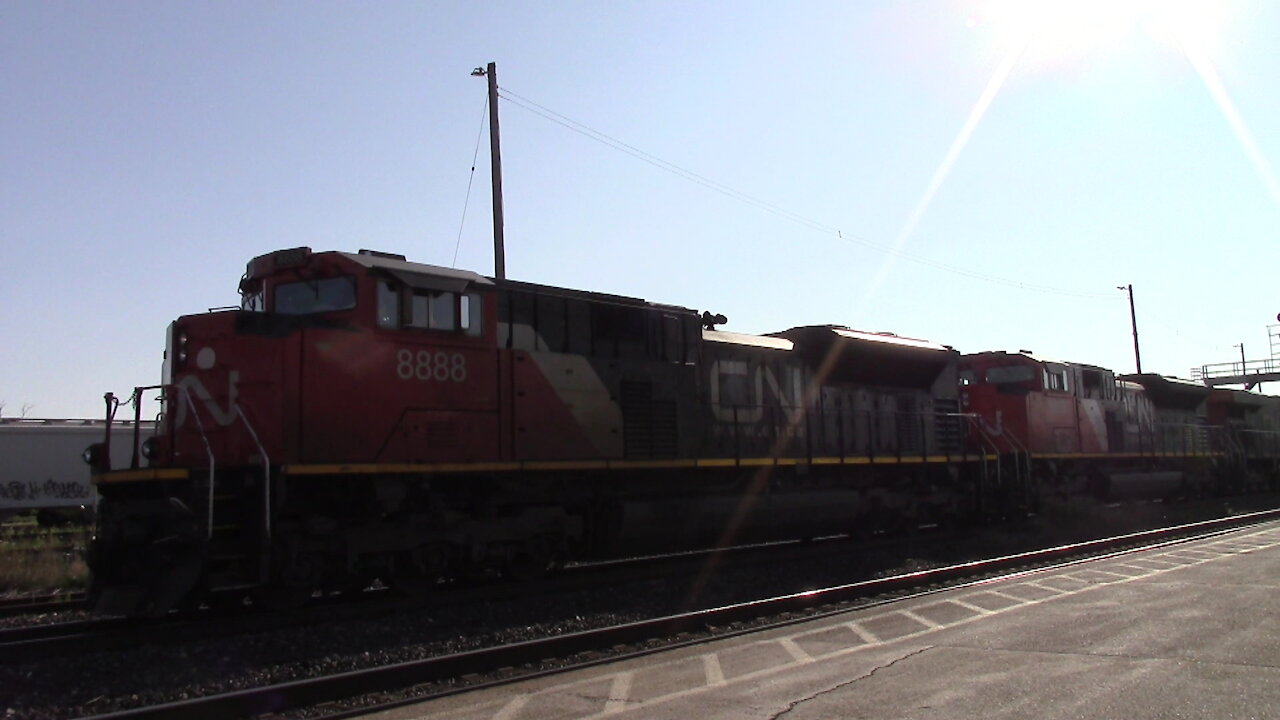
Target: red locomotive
[[365, 417], [1074, 428]]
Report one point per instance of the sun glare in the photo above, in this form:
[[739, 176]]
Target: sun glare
[[1059, 31], [1039, 33]]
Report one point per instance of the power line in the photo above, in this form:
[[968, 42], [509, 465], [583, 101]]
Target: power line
[[807, 222], [470, 179], [656, 161]]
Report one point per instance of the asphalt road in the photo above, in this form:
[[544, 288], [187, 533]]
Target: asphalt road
[[1186, 632]]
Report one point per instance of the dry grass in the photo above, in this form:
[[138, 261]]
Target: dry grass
[[33, 559]]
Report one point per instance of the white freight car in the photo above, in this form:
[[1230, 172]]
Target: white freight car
[[41, 467]]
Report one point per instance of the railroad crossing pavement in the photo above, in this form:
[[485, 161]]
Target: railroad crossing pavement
[[1188, 631]]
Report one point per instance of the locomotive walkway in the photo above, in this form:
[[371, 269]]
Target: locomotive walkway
[[1188, 631]]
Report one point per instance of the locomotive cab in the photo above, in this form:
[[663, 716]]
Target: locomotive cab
[[303, 340], [285, 381]]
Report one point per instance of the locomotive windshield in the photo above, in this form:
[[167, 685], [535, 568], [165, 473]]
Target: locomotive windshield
[[252, 302], [315, 296]]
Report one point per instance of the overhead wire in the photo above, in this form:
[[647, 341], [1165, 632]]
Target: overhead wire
[[1198, 340], [470, 179], [656, 161], [810, 223]]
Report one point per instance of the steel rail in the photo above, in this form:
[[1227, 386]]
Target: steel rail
[[313, 691], [28, 642], [21, 644], [32, 604]]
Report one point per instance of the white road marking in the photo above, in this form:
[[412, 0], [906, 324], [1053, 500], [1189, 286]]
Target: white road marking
[[711, 666], [1049, 588], [511, 709], [1122, 576], [975, 608], [922, 620], [1072, 576], [1193, 552], [1157, 561], [867, 636], [795, 651], [618, 701], [1010, 596], [1144, 570], [619, 693]]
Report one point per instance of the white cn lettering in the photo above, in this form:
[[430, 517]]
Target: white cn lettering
[[790, 405], [998, 428], [752, 410], [191, 389]]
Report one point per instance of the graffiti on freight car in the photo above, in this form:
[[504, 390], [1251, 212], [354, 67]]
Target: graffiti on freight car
[[49, 489]]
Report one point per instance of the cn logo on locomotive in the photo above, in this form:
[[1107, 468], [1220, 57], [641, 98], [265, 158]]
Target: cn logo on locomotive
[[191, 385]]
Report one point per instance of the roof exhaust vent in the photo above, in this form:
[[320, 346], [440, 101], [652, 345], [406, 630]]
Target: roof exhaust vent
[[383, 255]]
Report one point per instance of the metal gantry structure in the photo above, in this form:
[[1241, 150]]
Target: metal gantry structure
[[1249, 373]]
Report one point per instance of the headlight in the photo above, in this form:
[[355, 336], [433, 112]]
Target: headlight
[[92, 454], [150, 448]]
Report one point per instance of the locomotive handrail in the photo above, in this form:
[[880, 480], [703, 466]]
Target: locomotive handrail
[[1020, 455], [1271, 440], [788, 423], [1273, 436], [186, 393], [974, 421], [136, 401], [1236, 369], [266, 475]]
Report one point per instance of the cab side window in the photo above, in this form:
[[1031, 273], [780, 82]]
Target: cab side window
[[433, 310], [1055, 378], [436, 310], [470, 314], [388, 305]]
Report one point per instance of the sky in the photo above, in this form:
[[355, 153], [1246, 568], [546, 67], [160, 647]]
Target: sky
[[979, 173]]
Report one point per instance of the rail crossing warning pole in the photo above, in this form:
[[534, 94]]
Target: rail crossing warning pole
[[495, 169]]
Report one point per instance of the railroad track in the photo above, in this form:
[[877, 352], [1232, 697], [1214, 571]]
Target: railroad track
[[29, 642], [33, 604], [609, 644], [33, 641]]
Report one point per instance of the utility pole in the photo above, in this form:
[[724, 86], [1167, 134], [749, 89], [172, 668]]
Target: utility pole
[[1242, 370], [495, 169], [1133, 319]]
